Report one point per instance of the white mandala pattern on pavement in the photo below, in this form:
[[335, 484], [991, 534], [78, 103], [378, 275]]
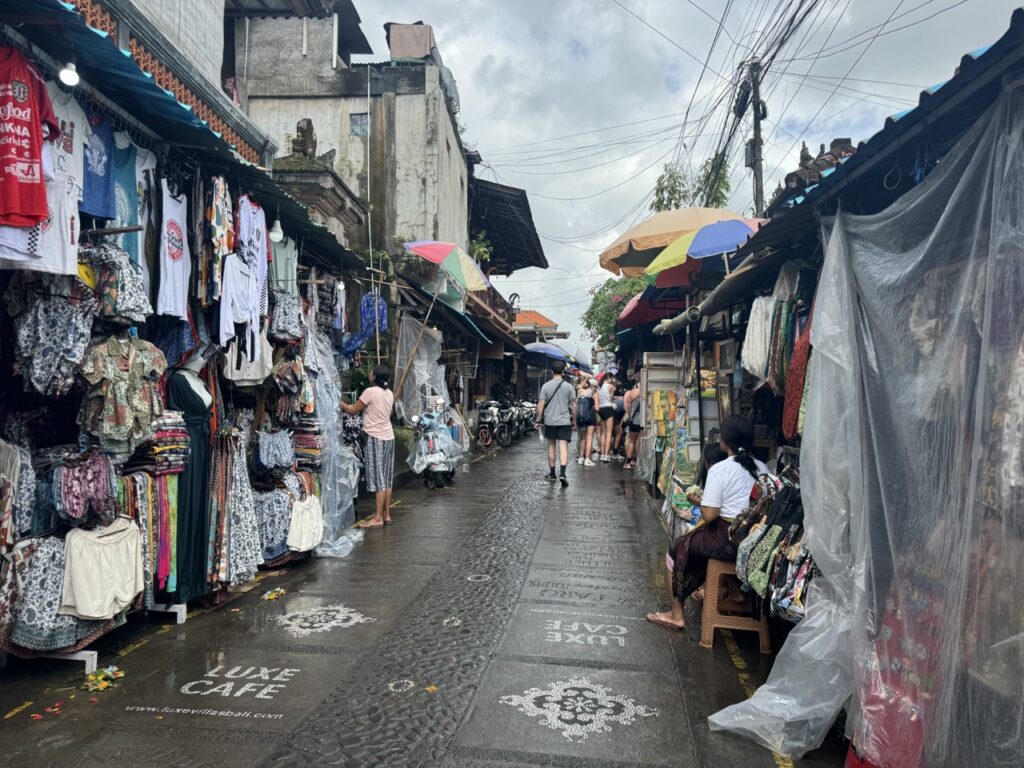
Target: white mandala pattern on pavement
[[322, 619], [577, 707]]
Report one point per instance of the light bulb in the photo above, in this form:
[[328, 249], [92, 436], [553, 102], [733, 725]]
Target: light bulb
[[69, 75], [276, 233]]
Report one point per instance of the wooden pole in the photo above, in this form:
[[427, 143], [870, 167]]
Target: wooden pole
[[415, 346]]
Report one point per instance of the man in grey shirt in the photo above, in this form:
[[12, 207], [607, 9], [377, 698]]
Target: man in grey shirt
[[557, 411]]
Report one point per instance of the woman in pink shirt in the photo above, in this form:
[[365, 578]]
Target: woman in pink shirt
[[376, 404]]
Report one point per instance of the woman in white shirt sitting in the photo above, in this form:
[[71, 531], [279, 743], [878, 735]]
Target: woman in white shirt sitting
[[726, 494]]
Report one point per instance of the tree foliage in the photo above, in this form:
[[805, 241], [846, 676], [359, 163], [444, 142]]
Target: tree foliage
[[675, 189], [602, 316]]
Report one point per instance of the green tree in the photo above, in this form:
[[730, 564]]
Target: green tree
[[675, 189], [602, 316], [671, 189]]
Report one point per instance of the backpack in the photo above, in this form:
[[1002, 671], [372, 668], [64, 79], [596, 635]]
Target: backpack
[[585, 409]]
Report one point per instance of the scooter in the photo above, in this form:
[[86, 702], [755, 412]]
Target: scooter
[[505, 430], [486, 423], [436, 453]]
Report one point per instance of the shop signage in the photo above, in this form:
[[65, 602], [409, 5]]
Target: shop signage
[[584, 633]]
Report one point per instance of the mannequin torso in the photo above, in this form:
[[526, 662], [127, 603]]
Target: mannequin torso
[[190, 373]]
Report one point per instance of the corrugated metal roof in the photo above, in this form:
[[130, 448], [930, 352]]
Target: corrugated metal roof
[[978, 75]]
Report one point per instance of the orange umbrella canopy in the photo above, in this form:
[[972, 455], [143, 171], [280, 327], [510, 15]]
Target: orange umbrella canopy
[[640, 244]]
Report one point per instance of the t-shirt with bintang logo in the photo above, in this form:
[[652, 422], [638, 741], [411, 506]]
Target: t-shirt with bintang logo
[[25, 113], [175, 259]]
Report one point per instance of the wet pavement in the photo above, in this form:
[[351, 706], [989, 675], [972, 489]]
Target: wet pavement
[[496, 624]]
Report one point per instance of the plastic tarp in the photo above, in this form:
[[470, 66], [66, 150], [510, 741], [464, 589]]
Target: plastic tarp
[[339, 468], [913, 476], [419, 353]]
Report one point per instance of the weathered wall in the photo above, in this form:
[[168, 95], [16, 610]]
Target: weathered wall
[[419, 179], [195, 27]]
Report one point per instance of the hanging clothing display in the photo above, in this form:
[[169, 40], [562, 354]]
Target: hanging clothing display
[[193, 493], [102, 570], [239, 304], [245, 548], [124, 396], [126, 194], [218, 242], [286, 317], [120, 292], [241, 371], [274, 513], [53, 325], [284, 267], [51, 245], [175, 259], [253, 245], [306, 527], [69, 148], [98, 197], [28, 120]]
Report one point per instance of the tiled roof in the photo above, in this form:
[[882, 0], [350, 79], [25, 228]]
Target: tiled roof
[[531, 317]]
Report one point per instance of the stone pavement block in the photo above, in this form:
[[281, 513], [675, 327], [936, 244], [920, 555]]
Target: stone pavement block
[[596, 638], [593, 714], [615, 593], [598, 557]]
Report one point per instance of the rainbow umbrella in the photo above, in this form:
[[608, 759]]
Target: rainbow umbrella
[[682, 255], [457, 264]]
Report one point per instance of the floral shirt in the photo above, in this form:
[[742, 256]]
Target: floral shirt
[[124, 396]]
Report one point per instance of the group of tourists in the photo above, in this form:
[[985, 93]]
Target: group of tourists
[[606, 414]]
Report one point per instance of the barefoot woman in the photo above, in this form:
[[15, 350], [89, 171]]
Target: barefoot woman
[[726, 494], [376, 404]]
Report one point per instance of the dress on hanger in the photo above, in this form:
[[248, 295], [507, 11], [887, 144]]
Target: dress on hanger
[[193, 490]]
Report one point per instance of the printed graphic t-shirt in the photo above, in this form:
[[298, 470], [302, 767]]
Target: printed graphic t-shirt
[[377, 414], [175, 259], [98, 192], [25, 112], [69, 148], [126, 196]]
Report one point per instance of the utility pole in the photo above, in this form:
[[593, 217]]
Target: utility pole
[[755, 156]]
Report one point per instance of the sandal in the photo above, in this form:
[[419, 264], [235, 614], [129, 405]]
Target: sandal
[[653, 618]]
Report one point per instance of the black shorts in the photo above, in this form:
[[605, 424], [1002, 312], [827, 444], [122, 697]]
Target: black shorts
[[562, 432], [635, 428], [606, 412], [584, 423]]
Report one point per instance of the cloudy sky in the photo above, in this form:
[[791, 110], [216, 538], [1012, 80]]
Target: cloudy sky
[[581, 103]]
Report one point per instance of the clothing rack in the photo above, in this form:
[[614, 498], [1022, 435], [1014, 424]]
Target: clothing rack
[[112, 231], [89, 658], [180, 610]]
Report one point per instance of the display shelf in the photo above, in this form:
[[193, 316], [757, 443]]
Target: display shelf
[[89, 658], [180, 610]]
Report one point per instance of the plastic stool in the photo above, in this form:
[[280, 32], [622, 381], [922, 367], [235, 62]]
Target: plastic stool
[[733, 617]]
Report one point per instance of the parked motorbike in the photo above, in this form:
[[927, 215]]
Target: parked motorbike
[[436, 453], [528, 416], [487, 423], [505, 430]]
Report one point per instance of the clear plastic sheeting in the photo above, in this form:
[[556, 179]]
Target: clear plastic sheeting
[[339, 468], [417, 369], [913, 476]]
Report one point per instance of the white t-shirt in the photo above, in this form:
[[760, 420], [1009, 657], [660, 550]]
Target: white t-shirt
[[251, 243], [69, 148], [50, 246], [239, 303], [175, 259], [729, 486]]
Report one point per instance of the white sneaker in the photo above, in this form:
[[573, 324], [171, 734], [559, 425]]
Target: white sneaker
[[589, 463], [618, 457], [605, 458], [579, 460]]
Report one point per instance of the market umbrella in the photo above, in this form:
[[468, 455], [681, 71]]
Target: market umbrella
[[541, 354], [683, 255], [634, 250], [640, 311], [456, 263], [577, 353]]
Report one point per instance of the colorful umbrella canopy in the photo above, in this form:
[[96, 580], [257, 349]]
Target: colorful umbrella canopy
[[457, 264], [640, 311], [710, 240], [638, 247]]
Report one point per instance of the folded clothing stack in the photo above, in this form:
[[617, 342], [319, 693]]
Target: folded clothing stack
[[309, 442], [168, 452]]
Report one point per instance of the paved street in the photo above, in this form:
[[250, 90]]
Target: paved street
[[498, 624]]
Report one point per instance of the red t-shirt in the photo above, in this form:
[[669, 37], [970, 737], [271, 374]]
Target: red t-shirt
[[24, 109]]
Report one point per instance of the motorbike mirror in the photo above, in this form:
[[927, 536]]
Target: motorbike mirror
[[415, 420]]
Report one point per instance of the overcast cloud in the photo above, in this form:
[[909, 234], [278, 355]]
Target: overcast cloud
[[532, 70]]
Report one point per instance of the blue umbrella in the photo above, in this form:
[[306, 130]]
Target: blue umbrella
[[542, 354]]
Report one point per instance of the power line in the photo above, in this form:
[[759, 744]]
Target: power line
[[502, 150], [665, 37], [834, 90]]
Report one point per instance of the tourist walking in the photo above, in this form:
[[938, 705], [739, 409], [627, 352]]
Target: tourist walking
[[376, 404], [633, 423], [586, 421], [606, 416], [556, 411]]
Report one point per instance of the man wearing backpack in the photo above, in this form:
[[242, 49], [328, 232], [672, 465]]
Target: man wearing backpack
[[586, 421], [556, 411]]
